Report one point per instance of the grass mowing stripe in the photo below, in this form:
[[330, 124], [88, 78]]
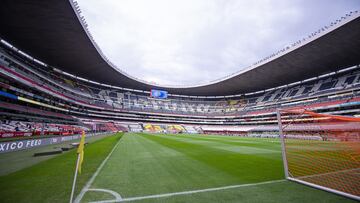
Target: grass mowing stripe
[[88, 184], [239, 147], [283, 191], [245, 168], [201, 190], [51, 180], [231, 138], [129, 199], [142, 167], [249, 142]]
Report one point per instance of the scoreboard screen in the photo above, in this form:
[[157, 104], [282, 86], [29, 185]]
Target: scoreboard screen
[[159, 94]]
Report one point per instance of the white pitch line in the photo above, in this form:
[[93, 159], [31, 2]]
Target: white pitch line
[[88, 184], [189, 192], [113, 193]]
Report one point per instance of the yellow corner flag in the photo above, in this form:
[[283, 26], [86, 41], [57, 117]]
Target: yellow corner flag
[[80, 150]]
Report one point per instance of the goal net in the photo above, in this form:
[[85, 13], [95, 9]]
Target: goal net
[[321, 150]]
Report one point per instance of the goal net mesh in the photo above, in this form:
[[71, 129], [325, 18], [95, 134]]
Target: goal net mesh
[[322, 149]]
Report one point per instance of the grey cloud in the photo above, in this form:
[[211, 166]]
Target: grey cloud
[[194, 41]]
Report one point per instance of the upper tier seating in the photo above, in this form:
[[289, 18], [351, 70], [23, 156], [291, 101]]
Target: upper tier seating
[[56, 95]]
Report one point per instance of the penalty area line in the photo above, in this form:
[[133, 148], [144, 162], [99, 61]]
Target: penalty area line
[[88, 184], [190, 192]]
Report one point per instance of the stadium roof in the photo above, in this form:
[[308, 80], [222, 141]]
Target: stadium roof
[[53, 32]]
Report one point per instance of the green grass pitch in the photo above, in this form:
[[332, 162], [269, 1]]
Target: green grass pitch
[[144, 167]]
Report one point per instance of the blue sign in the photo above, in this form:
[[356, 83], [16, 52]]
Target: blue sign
[[160, 94]]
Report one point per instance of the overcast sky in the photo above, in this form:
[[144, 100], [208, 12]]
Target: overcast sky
[[194, 41]]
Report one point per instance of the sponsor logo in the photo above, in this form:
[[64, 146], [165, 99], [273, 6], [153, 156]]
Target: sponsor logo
[[8, 135]]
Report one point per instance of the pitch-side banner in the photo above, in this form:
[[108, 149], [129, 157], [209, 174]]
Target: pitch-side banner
[[12, 146]]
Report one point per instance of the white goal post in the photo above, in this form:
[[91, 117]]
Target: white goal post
[[321, 150]]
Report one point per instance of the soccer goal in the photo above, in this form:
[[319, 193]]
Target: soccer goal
[[321, 150]]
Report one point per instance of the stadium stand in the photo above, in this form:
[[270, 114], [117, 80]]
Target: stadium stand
[[33, 92], [11, 128], [135, 127], [153, 128], [337, 88], [174, 129], [192, 129]]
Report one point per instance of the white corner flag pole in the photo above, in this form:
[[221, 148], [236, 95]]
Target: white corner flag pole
[[75, 176]]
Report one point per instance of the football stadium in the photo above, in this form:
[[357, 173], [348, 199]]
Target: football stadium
[[75, 128]]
